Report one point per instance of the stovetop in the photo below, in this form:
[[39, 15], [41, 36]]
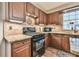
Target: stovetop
[[35, 36], [33, 33]]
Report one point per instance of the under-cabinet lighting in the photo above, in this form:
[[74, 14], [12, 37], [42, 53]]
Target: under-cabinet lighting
[[16, 21]]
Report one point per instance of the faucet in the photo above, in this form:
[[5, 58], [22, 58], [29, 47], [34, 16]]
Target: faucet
[[73, 27], [75, 31]]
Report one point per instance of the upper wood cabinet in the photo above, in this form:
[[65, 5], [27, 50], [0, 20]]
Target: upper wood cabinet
[[50, 19], [16, 10], [45, 18], [37, 12], [30, 8], [53, 18], [41, 17]]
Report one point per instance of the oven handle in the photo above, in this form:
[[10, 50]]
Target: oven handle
[[38, 39]]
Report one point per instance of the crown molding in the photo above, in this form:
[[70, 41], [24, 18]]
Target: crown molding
[[59, 8]]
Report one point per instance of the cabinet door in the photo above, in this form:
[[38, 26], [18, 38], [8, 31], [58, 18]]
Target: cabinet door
[[56, 41], [41, 17], [50, 17], [21, 48], [24, 51], [37, 14], [45, 18], [46, 41], [30, 8], [16, 10], [65, 43], [53, 18], [56, 18]]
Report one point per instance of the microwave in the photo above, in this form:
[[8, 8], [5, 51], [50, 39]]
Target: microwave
[[46, 29], [29, 29]]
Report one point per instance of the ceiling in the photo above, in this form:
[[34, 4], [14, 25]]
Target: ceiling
[[50, 7]]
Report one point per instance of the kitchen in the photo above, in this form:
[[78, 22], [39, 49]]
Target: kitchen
[[31, 29]]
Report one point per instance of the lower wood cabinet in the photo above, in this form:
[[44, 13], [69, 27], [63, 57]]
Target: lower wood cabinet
[[60, 42], [46, 41], [65, 43], [56, 41], [21, 48], [23, 51]]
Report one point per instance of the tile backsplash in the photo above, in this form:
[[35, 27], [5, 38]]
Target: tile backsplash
[[12, 28]]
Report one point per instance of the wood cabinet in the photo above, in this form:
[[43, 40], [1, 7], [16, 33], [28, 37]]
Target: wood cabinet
[[50, 19], [21, 48], [54, 18], [56, 41], [45, 18], [42, 18], [30, 8], [16, 11], [37, 14], [22, 51], [46, 40], [65, 43], [60, 42]]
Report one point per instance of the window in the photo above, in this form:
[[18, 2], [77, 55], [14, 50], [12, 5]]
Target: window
[[71, 19]]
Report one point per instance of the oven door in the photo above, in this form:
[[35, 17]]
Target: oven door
[[38, 47], [39, 44]]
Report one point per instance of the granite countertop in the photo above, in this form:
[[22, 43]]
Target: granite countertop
[[56, 29], [63, 32], [13, 38]]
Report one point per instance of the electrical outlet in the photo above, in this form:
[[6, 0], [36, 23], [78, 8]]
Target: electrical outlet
[[10, 27]]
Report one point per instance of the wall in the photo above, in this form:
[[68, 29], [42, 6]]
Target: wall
[[1, 23], [2, 44], [12, 28]]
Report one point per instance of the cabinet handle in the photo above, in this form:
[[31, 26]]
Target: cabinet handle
[[20, 50]]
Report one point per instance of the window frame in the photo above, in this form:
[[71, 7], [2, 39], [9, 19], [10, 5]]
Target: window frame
[[68, 19]]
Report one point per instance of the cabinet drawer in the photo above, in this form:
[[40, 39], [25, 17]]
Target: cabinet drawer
[[27, 42], [23, 51], [17, 44], [21, 48], [20, 43]]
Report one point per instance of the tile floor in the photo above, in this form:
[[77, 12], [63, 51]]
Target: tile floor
[[52, 52]]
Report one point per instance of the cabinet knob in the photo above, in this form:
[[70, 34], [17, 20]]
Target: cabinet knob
[[22, 42]]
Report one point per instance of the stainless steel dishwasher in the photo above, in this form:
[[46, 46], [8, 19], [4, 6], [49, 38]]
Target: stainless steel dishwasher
[[74, 45]]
